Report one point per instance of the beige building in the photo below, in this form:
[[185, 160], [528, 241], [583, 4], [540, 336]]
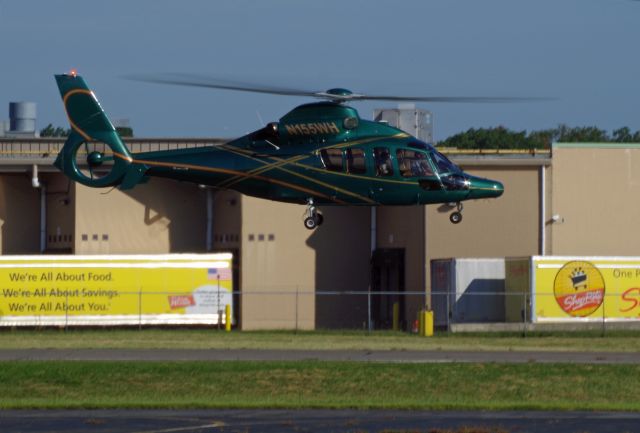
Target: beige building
[[579, 200]]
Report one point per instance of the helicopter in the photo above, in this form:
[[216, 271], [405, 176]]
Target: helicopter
[[320, 153]]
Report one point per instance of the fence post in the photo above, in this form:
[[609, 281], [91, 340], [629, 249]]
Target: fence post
[[66, 311], [369, 310], [139, 308], [448, 313], [604, 298], [219, 304], [524, 314]]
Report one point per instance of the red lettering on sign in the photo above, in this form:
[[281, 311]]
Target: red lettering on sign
[[581, 300], [181, 301], [632, 299]]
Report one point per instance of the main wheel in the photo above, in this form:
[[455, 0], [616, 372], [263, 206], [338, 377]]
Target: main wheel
[[310, 223], [455, 217], [319, 219]]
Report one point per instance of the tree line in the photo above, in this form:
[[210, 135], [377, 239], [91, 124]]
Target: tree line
[[503, 138], [52, 131]]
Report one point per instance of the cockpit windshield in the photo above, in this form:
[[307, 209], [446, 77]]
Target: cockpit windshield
[[444, 165]]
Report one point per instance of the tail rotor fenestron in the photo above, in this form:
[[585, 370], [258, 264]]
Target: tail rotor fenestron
[[94, 153]]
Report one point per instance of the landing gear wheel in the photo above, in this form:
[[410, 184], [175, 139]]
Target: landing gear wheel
[[455, 217], [310, 223], [312, 217]]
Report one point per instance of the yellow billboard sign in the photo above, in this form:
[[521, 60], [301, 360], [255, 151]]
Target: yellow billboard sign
[[115, 290], [585, 288]]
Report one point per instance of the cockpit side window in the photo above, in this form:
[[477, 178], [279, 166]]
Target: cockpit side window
[[383, 162], [356, 163], [332, 159], [412, 163]]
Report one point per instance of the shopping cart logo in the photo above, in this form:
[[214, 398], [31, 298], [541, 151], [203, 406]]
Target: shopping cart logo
[[579, 288], [578, 279]]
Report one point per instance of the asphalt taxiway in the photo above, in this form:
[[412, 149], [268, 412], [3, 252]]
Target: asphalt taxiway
[[408, 356], [312, 421]]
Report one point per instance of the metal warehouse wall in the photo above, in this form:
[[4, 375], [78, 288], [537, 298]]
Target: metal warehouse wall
[[506, 226], [595, 197], [160, 216], [284, 265], [19, 215]]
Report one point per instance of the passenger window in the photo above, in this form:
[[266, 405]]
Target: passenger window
[[332, 159], [383, 161], [413, 164], [355, 161]]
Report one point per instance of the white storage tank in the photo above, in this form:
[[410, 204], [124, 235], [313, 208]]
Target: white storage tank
[[467, 291]]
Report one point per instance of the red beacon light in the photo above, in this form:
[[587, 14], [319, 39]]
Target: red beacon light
[[73, 72]]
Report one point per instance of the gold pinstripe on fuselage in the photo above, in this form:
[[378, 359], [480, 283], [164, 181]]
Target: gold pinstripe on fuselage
[[280, 164], [234, 172]]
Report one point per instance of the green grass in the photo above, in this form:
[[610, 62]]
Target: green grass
[[623, 341], [313, 384]]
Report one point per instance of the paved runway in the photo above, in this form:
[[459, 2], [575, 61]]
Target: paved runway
[[409, 356], [312, 421]]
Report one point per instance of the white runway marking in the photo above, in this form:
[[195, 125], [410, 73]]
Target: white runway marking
[[179, 429]]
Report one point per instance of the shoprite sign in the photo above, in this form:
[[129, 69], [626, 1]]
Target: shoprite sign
[[585, 288], [119, 290]]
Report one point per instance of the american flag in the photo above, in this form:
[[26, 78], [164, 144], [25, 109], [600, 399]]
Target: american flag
[[219, 273]]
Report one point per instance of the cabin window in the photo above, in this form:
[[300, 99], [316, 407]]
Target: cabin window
[[332, 159], [355, 161], [413, 164], [383, 161]]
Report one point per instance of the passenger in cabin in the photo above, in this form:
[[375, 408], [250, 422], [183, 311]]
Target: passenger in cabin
[[383, 162], [420, 166]]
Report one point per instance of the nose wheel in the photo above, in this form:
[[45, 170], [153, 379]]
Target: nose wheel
[[456, 216], [312, 217]]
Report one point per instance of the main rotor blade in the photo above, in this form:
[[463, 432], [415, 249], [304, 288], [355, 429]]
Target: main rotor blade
[[214, 83], [454, 99]]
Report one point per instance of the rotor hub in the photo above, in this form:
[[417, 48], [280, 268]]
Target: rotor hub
[[338, 91]]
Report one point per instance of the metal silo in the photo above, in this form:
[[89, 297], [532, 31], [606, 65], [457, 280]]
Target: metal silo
[[22, 117]]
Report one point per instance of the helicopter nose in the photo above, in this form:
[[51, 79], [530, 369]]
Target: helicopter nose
[[484, 188]]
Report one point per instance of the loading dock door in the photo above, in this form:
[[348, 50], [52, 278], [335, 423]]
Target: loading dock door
[[387, 287]]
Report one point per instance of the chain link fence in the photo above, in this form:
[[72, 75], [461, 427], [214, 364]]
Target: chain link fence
[[298, 308]]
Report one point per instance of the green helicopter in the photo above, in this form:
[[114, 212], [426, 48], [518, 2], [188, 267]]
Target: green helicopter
[[318, 154]]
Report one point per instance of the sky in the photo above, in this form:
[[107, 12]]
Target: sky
[[584, 53]]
